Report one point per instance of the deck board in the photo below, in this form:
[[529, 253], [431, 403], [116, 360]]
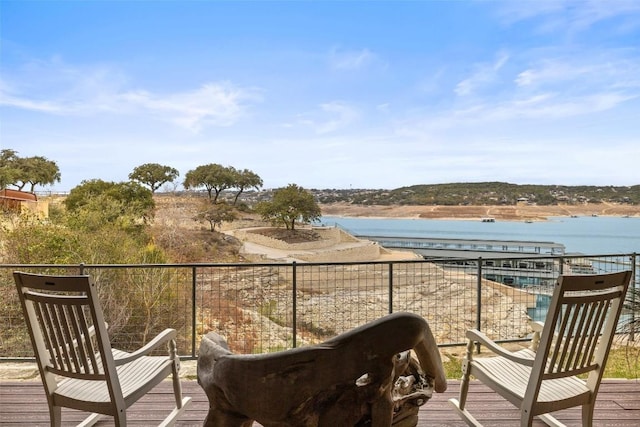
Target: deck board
[[618, 405]]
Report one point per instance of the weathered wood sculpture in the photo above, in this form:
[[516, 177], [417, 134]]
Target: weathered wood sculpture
[[363, 377]]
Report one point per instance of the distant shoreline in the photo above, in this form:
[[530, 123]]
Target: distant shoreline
[[498, 212]]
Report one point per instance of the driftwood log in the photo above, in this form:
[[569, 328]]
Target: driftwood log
[[364, 377]]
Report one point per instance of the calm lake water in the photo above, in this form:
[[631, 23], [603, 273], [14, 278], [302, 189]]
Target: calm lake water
[[588, 235]]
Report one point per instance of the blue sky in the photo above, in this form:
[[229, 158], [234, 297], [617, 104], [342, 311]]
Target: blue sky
[[327, 94]]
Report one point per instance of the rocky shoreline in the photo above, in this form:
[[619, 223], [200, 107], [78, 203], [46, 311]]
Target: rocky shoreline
[[522, 212]]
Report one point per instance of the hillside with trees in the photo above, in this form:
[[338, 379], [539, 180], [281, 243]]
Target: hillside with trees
[[483, 193]]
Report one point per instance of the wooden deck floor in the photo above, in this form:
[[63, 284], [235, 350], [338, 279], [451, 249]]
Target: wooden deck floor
[[23, 403]]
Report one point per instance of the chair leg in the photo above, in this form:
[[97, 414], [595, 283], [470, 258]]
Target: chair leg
[[173, 416], [466, 373], [458, 405], [464, 389], [55, 415], [464, 414], [587, 414], [175, 373], [120, 418], [181, 403], [551, 421], [526, 419], [177, 386], [90, 420]]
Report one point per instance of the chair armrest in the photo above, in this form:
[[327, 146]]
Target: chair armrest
[[477, 336], [163, 337], [537, 328]]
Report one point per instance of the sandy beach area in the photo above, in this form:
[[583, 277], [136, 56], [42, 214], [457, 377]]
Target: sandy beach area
[[499, 212]]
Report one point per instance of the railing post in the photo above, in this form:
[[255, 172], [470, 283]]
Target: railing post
[[294, 304], [634, 296], [193, 312], [479, 300], [81, 269], [390, 287]]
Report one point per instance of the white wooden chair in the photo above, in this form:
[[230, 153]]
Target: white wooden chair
[[78, 367], [575, 339]]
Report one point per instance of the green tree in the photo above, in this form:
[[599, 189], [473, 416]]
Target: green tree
[[213, 177], [20, 171], [83, 193], [36, 170], [244, 180], [8, 169], [216, 213], [290, 204], [154, 175], [126, 203]]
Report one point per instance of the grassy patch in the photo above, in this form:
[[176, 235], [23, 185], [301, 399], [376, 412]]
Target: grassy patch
[[453, 366], [623, 362]]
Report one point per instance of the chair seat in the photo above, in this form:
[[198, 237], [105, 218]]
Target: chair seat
[[514, 377], [134, 380]]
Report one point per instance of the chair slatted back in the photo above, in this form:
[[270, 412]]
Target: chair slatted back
[[68, 333], [66, 325], [581, 323]]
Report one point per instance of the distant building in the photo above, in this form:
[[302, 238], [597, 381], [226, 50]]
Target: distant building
[[22, 202]]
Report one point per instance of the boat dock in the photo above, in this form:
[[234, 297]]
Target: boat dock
[[511, 262], [431, 247]]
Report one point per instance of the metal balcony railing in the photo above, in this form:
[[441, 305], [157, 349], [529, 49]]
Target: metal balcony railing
[[275, 306]]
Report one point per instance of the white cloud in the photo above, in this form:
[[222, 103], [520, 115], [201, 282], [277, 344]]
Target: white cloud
[[548, 106], [8, 100], [210, 105], [483, 74], [571, 16], [596, 69], [350, 60], [551, 84], [333, 116], [383, 108], [77, 91], [595, 11], [554, 108]]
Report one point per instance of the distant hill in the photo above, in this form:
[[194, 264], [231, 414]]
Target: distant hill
[[483, 193]]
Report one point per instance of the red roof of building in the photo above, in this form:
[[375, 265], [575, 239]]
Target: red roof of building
[[17, 195]]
